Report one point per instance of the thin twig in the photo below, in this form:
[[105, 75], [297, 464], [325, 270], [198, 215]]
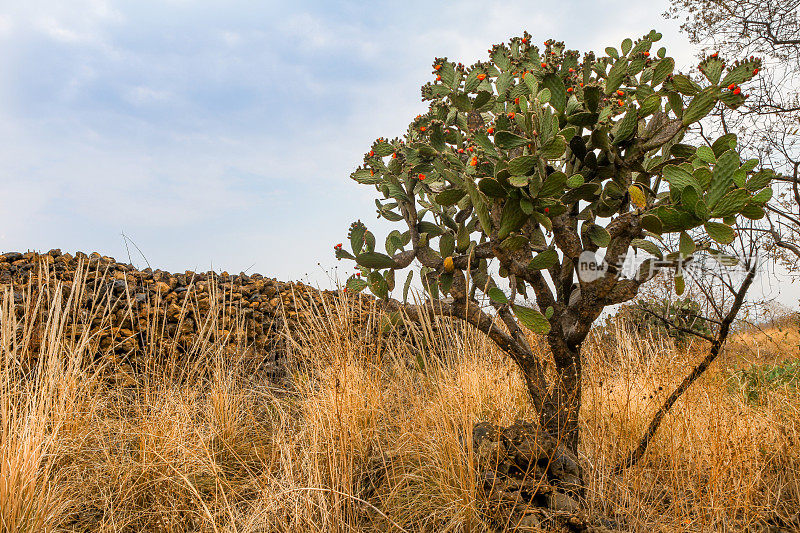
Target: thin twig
[[639, 451]]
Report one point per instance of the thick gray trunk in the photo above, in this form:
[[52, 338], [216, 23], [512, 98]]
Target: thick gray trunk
[[563, 404], [559, 408]]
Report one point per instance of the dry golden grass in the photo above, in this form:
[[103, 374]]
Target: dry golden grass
[[770, 342], [362, 438]]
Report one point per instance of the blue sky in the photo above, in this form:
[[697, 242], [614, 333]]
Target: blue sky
[[223, 134]]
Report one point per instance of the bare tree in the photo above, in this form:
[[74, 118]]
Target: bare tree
[[721, 280], [769, 120]]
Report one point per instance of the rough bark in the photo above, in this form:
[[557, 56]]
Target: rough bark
[[563, 404]]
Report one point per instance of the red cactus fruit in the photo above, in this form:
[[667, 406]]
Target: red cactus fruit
[[490, 131], [481, 77], [546, 209], [474, 161], [621, 93], [732, 86], [755, 72], [512, 115], [570, 89], [516, 100], [737, 90], [422, 176]]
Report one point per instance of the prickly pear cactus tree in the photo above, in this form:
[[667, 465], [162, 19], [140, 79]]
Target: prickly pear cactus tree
[[531, 167]]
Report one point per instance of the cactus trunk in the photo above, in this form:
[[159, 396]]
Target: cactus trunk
[[560, 413]]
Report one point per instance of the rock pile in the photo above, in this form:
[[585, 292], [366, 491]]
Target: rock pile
[[121, 306], [531, 481]]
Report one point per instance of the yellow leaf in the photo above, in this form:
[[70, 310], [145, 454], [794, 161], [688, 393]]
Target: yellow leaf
[[637, 196], [448, 264]]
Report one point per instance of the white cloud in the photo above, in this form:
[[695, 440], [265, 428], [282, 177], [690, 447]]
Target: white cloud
[[311, 33], [5, 25], [74, 22], [53, 29], [231, 38], [141, 95]]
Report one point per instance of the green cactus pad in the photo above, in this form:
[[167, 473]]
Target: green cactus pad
[[532, 319], [722, 233], [375, 260], [544, 259]]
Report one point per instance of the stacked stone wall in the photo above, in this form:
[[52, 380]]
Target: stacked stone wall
[[120, 306]]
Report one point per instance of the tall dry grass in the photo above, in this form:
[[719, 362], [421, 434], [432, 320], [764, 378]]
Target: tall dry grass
[[363, 436]]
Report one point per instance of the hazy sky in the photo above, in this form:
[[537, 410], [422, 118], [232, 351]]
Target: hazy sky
[[222, 134]]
